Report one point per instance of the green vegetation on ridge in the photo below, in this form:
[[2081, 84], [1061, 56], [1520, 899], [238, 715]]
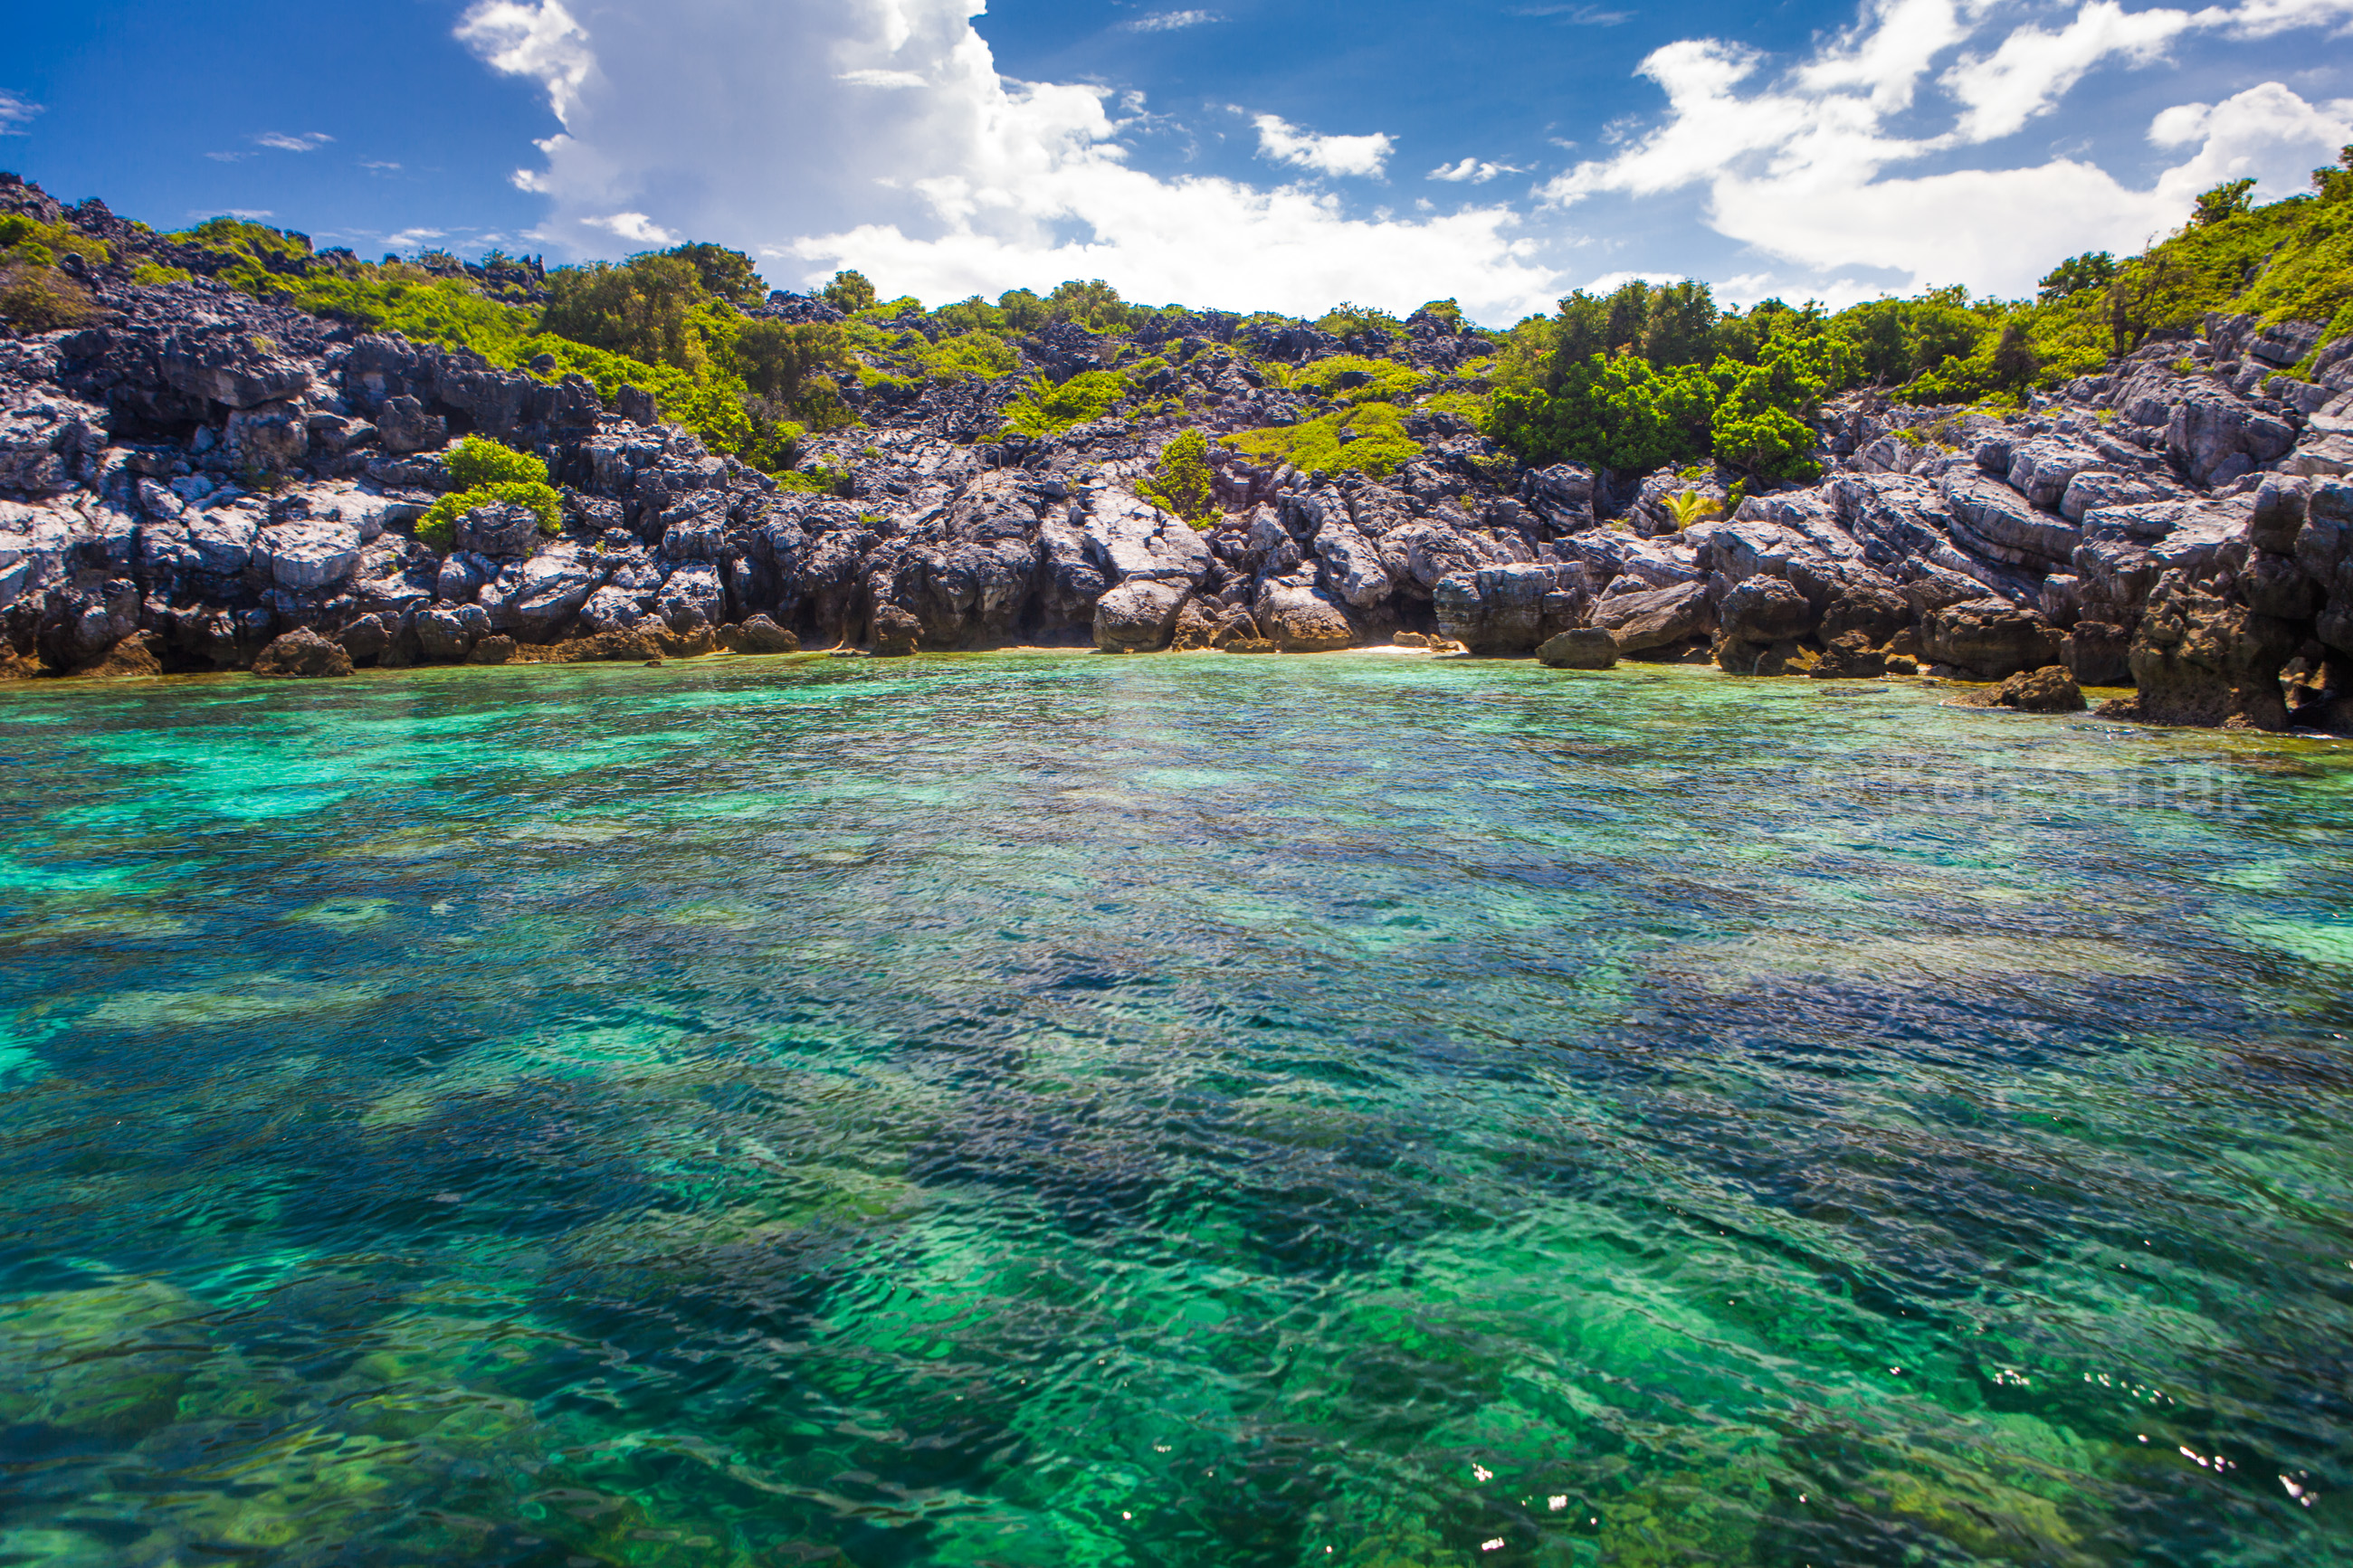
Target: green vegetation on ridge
[[1638, 378]]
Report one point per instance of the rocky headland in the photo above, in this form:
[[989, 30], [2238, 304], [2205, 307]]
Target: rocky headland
[[195, 478]]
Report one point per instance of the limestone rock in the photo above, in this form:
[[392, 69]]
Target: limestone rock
[[760, 635], [2051, 690], [2201, 659], [1137, 617], [1764, 610], [895, 631], [1989, 639], [498, 529], [1298, 617], [1581, 647], [302, 654], [1657, 618], [2097, 653]]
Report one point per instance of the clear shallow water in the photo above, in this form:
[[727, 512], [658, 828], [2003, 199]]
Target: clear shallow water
[[1039, 1110]]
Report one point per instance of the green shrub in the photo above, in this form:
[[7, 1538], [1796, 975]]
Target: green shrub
[[151, 275], [38, 298], [816, 480], [1182, 480], [439, 526], [1370, 438], [850, 292], [1688, 506], [1045, 409], [1384, 380], [477, 461], [2232, 198], [1359, 320]]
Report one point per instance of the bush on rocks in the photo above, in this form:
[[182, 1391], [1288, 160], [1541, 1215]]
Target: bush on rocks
[[491, 475]]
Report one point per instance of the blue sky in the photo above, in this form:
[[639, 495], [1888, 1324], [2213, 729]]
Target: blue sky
[[1244, 154]]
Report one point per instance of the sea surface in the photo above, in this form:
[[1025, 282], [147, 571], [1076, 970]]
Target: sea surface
[[1045, 1108]]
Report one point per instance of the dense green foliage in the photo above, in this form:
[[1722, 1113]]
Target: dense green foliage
[[1370, 439], [477, 460], [439, 526], [1181, 479], [1616, 379], [34, 293], [1638, 377], [487, 473], [1356, 379], [1046, 409]]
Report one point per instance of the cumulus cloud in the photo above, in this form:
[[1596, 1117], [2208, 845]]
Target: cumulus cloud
[[1473, 172], [1816, 164], [871, 76], [732, 119], [635, 226], [536, 38], [1286, 143], [16, 113], [1169, 21], [278, 139], [1575, 15]]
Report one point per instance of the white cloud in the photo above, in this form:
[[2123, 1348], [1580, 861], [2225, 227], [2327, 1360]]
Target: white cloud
[[539, 40], [415, 239], [16, 113], [971, 185], [309, 142], [635, 226], [871, 77], [378, 167], [1472, 170], [1811, 165], [228, 157], [1170, 21], [2033, 68], [1609, 280], [1575, 15], [248, 214], [1286, 143]]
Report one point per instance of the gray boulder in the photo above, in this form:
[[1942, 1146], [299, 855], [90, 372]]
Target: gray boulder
[[1496, 610], [1764, 610], [307, 555], [2214, 435], [1137, 617], [1579, 647], [1656, 619], [1989, 639], [1299, 617], [500, 528]]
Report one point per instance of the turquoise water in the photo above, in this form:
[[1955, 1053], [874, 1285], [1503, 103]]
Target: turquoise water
[[1052, 1109]]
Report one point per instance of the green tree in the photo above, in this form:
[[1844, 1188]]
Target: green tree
[[850, 292], [641, 308], [2336, 185], [1024, 310], [778, 360], [1679, 327], [2231, 199], [1182, 480], [973, 315], [2093, 269], [1093, 304], [725, 274]]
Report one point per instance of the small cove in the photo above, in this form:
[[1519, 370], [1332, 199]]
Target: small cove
[[1044, 1109]]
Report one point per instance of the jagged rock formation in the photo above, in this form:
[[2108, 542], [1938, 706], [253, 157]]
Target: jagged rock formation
[[199, 478]]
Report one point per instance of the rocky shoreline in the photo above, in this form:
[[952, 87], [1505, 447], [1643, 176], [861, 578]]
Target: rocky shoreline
[[204, 481]]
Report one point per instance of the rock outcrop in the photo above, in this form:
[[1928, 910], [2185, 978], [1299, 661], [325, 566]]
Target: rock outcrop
[[198, 480]]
